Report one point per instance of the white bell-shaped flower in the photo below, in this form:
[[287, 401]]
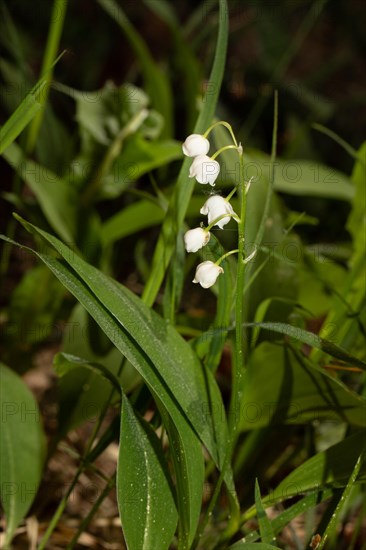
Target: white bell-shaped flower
[[217, 206], [207, 273], [204, 169], [194, 239], [195, 145]]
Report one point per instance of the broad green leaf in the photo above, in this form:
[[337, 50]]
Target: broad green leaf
[[165, 361], [56, 197], [300, 177], [190, 475], [318, 277], [265, 527], [280, 390], [330, 468], [184, 187], [144, 488], [141, 156], [138, 157], [22, 449], [175, 282], [308, 178], [133, 218], [140, 215], [306, 503], [22, 116], [174, 366], [189, 461]]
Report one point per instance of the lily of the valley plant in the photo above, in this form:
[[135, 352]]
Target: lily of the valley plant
[[219, 212]]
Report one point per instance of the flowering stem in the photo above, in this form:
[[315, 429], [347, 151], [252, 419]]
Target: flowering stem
[[214, 222], [238, 368], [218, 262], [231, 193], [222, 149], [221, 123], [238, 371], [238, 363]]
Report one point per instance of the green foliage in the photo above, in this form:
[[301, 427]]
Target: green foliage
[[145, 494], [56, 197], [356, 220], [299, 392], [21, 436], [330, 468], [229, 403], [331, 529]]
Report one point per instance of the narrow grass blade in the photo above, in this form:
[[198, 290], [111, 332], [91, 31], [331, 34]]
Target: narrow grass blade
[[330, 468], [22, 116], [184, 187], [313, 340], [341, 142], [265, 527], [53, 40], [279, 522], [331, 530]]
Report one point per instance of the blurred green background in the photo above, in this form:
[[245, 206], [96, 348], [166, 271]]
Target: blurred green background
[[312, 52]]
